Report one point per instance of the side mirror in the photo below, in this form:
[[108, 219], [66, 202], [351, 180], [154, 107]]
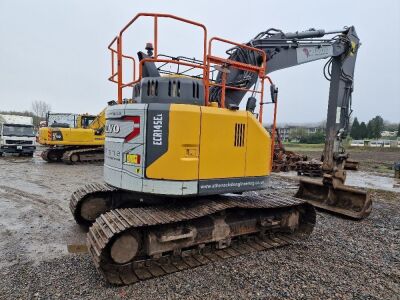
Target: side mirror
[[274, 93], [251, 104]]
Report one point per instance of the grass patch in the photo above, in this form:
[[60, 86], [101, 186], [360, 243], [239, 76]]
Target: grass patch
[[382, 169], [373, 149], [303, 147], [320, 147]]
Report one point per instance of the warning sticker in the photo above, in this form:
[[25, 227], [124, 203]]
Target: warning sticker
[[133, 158]]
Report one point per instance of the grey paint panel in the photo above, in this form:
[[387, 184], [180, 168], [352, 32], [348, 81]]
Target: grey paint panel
[[132, 108], [178, 90], [116, 167], [157, 131], [113, 154], [112, 175], [115, 111], [118, 128], [230, 185], [311, 53]]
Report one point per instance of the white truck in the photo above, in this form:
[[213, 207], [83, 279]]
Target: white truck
[[17, 135]]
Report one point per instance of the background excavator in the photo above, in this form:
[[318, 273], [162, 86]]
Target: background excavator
[[82, 143], [183, 160]]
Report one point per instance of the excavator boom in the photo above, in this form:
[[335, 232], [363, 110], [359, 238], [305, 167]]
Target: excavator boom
[[285, 50]]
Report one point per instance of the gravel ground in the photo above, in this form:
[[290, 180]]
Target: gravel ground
[[342, 259]]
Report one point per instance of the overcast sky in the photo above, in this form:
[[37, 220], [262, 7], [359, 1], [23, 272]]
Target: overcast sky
[[56, 51]]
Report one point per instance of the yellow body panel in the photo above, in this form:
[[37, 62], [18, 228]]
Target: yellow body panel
[[219, 157], [71, 137], [212, 143], [258, 149], [181, 160], [78, 136]]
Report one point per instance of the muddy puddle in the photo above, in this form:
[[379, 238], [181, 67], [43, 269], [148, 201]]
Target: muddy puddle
[[35, 221]]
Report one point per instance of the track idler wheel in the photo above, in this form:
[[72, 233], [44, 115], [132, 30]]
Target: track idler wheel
[[341, 199], [92, 208], [125, 248], [51, 155], [74, 158]]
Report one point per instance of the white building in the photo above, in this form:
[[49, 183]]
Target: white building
[[285, 130], [376, 143], [386, 133]]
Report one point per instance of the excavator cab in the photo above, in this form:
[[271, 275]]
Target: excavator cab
[[83, 121]]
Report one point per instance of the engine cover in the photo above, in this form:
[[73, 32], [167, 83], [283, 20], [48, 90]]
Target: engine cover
[[183, 150]]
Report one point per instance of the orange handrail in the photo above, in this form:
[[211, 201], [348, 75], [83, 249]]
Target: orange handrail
[[236, 88], [113, 52], [141, 63], [120, 56], [259, 70], [240, 46], [208, 60]]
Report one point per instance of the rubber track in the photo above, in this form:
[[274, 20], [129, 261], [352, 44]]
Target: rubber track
[[45, 154], [112, 223], [80, 194], [66, 158]]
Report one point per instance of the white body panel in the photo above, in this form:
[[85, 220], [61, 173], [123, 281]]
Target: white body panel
[[130, 176], [18, 120]]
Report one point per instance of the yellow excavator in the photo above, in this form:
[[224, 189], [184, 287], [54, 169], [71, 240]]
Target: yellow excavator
[[183, 162], [84, 142]]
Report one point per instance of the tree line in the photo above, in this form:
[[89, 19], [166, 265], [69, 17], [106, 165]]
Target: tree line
[[371, 130], [38, 112], [300, 134]]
